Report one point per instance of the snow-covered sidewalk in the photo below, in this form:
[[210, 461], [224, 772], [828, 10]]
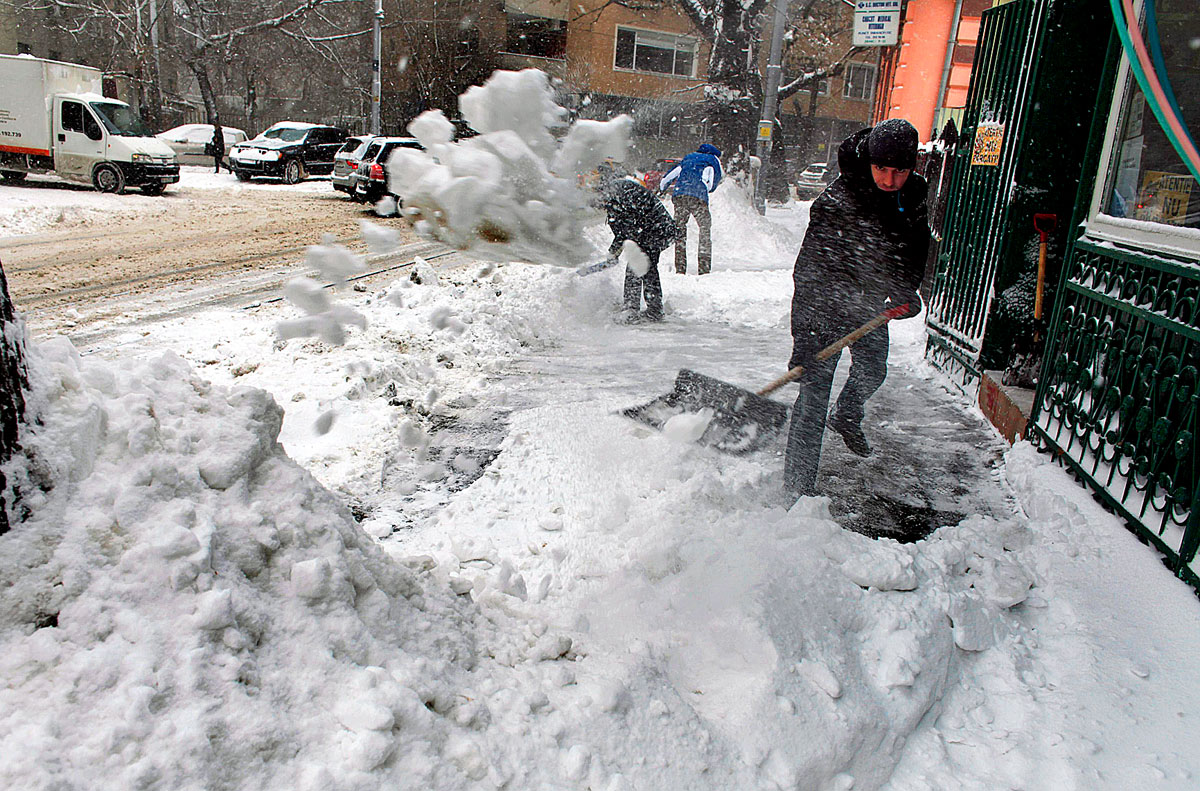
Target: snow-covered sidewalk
[[461, 569]]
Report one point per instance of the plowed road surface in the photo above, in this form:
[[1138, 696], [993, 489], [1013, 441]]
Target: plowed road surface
[[191, 249]]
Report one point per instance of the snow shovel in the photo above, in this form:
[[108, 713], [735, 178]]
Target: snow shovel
[[599, 266], [742, 420]]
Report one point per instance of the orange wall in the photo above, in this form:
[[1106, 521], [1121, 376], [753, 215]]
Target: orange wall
[[922, 55]]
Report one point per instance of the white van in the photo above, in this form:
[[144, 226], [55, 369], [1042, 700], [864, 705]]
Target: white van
[[53, 119]]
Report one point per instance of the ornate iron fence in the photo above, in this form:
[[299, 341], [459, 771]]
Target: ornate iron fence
[[962, 288], [1119, 390]]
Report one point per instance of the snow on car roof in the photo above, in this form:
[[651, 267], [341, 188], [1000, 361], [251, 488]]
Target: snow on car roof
[[294, 125], [183, 128]]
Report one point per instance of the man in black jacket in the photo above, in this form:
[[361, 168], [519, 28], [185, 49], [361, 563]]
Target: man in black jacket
[[864, 251], [635, 213]]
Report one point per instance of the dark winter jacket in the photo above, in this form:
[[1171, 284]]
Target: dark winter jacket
[[635, 213], [216, 146], [696, 175], [863, 245]]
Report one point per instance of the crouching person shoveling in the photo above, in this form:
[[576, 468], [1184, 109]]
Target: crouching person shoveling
[[636, 215], [864, 252]]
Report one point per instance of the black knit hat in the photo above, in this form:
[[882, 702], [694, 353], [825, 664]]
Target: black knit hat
[[893, 144]]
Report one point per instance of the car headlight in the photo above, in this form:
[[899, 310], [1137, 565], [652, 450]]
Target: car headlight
[[273, 155], [150, 159]]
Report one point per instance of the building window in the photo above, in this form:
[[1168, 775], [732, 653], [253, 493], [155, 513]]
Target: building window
[[1147, 178], [537, 36], [24, 49], [660, 53], [859, 82]]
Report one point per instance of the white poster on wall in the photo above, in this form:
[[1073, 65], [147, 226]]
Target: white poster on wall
[[876, 23]]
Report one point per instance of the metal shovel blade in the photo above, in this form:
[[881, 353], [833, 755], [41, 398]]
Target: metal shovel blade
[[742, 421]]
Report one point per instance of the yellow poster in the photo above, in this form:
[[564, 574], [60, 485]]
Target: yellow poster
[[989, 140], [1164, 197]]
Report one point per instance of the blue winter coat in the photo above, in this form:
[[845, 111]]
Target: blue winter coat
[[696, 175]]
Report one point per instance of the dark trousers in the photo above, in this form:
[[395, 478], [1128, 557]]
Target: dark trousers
[[217, 163], [649, 285], [689, 206], [868, 368]]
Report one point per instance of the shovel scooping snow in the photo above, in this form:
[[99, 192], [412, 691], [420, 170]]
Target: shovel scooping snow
[[742, 420]]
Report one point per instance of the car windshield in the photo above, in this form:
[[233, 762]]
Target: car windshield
[[288, 134], [120, 119]]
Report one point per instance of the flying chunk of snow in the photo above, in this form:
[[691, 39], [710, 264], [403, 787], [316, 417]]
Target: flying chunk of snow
[[380, 238], [687, 427], [633, 257]]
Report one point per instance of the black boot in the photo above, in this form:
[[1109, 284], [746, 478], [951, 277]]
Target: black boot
[[852, 434]]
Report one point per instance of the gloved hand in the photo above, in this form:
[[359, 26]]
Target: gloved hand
[[903, 296]]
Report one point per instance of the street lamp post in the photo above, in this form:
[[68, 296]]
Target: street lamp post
[[376, 67], [770, 102]]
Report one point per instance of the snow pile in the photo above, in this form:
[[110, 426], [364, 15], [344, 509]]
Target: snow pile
[[187, 608], [49, 204], [806, 653], [513, 191]]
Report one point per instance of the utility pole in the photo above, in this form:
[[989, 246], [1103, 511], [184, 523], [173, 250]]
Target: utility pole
[[155, 65], [376, 68], [770, 102]]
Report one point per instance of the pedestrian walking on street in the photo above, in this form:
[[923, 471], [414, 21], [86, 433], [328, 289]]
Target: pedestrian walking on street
[[864, 251], [634, 213], [217, 146], [690, 181]]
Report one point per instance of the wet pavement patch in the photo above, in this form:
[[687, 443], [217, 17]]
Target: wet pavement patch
[[880, 516]]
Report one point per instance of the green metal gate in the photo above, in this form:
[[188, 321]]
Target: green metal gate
[[980, 197], [1119, 390]]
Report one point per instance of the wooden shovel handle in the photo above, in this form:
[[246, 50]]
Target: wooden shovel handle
[[838, 345]]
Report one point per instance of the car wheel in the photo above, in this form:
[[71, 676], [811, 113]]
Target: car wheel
[[293, 171], [154, 188], [242, 175], [108, 178], [13, 176]]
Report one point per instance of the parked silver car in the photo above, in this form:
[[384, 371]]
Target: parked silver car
[[345, 162], [813, 180], [188, 142]]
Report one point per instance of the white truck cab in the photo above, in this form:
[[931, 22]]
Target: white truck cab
[[53, 119]]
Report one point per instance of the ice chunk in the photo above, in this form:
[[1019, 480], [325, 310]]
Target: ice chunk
[[311, 579]]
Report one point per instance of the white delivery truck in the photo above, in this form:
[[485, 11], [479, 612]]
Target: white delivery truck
[[53, 119]]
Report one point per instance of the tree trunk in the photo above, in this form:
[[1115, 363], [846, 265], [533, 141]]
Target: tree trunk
[[733, 95], [13, 383], [200, 70]]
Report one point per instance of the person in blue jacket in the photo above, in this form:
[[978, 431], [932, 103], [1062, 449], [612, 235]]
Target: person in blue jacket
[[690, 181]]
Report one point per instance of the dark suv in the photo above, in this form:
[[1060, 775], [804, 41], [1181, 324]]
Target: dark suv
[[370, 180], [288, 150]]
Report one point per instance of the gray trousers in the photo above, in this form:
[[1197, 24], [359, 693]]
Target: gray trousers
[[689, 206], [868, 369]]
